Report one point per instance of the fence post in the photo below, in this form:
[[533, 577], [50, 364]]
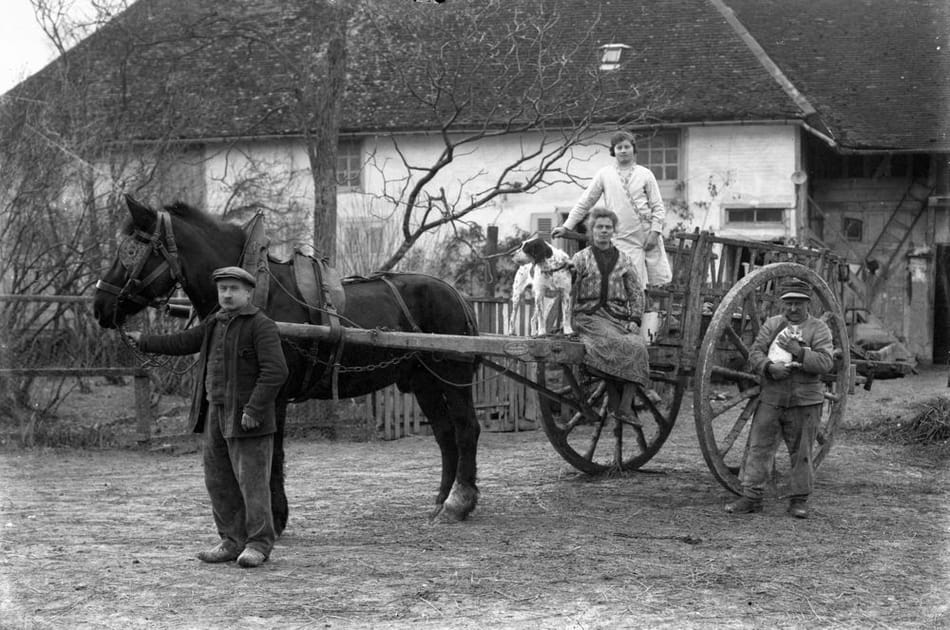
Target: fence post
[[491, 248], [143, 406]]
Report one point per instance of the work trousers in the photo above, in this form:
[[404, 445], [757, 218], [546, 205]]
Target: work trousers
[[798, 427], [237, 476]]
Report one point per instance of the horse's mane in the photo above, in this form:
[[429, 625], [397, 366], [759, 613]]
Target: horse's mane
[[209, 225], [201, 220]]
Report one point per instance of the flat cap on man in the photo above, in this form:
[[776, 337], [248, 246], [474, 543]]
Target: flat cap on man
[[795, 289], [235, 273]]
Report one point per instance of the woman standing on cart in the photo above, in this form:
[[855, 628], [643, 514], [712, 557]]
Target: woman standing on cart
[[632, 192], [608, 305]]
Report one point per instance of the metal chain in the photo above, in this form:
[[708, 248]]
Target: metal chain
[[312, 354]]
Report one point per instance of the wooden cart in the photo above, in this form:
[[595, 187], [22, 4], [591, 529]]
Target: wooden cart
[[706, 319], [708, 316]]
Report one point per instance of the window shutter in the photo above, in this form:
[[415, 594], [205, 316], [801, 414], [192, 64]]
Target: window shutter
[[544, 227]]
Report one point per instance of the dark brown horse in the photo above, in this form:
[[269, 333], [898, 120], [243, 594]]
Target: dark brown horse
[[180, 246]]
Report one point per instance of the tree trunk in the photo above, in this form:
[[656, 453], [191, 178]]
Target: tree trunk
[[324, 141]]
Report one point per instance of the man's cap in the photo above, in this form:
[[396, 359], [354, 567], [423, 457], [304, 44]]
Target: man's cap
[[795, 289], [235, 273]]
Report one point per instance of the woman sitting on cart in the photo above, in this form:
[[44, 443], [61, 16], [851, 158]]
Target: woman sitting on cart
[[608, 305]]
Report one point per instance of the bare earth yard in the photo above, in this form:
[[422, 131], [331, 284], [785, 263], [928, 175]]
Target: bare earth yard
[[106, 539]]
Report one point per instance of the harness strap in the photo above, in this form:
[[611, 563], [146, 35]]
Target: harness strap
[[254, 258], [402, 303], [169, 249], [117, 291], [308, 276]]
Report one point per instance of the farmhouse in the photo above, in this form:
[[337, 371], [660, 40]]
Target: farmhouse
[[819, 123]]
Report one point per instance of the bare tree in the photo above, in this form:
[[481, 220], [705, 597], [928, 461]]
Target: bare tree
[[64, 161], [485, 71]]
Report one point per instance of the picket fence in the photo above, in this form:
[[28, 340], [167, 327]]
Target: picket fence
[[501, 404]]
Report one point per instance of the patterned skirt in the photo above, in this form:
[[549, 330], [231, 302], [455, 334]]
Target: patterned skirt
[[611, 349]]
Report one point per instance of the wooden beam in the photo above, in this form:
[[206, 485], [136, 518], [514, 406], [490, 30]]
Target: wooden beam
[[523, 348], [105, 371]]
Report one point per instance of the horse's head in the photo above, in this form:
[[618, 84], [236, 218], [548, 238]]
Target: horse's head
[[146, 269]]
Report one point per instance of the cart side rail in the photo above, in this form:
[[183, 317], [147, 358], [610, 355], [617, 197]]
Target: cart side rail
[[705, 267]]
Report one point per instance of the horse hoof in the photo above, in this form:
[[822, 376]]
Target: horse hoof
[[459, 505]]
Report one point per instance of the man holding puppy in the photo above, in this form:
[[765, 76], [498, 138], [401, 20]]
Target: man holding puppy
[[241, 369], [791, 399]]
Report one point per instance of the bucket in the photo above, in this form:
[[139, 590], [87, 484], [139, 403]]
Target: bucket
[[650, 326]]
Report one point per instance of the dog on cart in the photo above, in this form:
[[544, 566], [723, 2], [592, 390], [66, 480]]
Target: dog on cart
[[546, 271]]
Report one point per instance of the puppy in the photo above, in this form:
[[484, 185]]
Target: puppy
[[546, 269]]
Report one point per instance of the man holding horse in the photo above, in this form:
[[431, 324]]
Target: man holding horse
[[241, 370]]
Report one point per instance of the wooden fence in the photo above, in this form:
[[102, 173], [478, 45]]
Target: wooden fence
[[501, 404], [143, 410]]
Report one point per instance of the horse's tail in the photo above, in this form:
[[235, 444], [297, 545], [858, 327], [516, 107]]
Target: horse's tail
[[471, 324]]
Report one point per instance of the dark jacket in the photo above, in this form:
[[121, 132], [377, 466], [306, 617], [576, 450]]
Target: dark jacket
[[254, 368], [803, 386]]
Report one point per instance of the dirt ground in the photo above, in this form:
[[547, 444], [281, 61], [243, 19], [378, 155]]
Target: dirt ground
[[106, 539]]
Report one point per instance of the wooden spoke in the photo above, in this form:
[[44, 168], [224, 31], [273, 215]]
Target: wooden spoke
[[737, 341], [592, 444], [726, 445], [735, 375], [718, 410]]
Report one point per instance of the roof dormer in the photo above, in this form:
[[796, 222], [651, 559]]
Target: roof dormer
[[610, 56]]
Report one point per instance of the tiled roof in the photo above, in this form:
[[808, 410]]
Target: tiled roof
[[219, 68], [877, 71]]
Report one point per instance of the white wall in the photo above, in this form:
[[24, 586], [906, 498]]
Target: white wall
[[737, 165], [741, 166], [274, 174]]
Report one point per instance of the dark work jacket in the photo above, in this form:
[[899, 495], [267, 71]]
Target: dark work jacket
[[803, 386], [254, 369]]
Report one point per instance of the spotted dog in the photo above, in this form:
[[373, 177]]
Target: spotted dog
[[546, 270]]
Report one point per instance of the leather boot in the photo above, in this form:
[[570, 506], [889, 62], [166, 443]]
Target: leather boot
[[222, 552], [798, 507], [744, 505], [251, 558]]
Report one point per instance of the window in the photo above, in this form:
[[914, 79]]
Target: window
[[363, 238], [361, 247], [610, 56], [542, 224], [661, 154], [755, 215], [569, 245], [349, 165], [853, 229]]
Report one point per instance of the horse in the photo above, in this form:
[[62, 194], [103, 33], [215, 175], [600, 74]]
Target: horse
[[160, 250]]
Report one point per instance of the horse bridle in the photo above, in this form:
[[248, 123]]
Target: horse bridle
[[134, 252]]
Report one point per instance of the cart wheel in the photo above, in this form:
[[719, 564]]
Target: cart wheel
[[726, 393], [582, 431]]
